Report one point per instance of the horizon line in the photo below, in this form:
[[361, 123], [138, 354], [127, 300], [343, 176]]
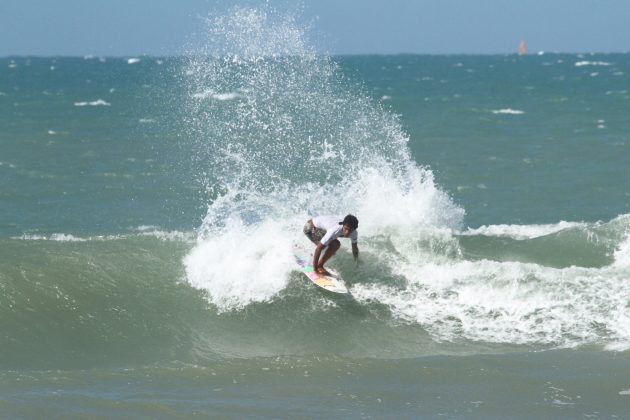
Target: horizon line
[[146, 55]]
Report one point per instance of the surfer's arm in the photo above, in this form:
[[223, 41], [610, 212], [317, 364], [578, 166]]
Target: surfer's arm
[[355, 252]]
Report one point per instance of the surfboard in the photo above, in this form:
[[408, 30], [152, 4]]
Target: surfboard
[[332, 283]]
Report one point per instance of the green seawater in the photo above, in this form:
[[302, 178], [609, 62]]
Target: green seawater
[[150, 211]]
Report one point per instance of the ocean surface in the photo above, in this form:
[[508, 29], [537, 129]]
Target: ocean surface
[[151, 208]]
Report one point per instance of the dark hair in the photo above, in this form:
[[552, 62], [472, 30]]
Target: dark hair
[[351, 221]]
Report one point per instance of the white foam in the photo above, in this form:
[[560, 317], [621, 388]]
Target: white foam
[[515, 303], [26, 237], [165, 235], [250, 239], [63, 237], [503, 302], [133, 60], [592, 63], [508, 111], [150, 231], [56, 237], [146, 120], [622, 254], [98, 102], [521, 231], [170, 236], [144, 228], [241, 264]]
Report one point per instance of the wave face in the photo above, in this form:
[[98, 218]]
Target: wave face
[[71, 301], [76, 302]]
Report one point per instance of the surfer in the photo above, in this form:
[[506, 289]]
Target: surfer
[[323, 231]]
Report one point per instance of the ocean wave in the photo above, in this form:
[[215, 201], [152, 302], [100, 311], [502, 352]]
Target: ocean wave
[[98, 102], [508, 111], [8, 164], [236, 291], [521, 231], [424, 275], [506, 293], [592, 63], [114, 301], [507, 302], [66, 237]]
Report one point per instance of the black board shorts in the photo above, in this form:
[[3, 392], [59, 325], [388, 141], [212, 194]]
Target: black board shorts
[[314, 234]]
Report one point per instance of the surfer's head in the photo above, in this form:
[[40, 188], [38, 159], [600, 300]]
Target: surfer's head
[[350, 224]]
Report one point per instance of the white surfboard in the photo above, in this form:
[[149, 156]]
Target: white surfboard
[[332, 283]]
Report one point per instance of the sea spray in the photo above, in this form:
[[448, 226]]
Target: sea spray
[[295, 120], [294, 139]]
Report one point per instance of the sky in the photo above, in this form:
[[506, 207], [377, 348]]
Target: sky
[[135, 27]]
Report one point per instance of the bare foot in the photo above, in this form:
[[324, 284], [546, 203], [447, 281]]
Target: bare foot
[[322, 271]]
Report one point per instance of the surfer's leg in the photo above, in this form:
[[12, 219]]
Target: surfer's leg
[[330, 251]]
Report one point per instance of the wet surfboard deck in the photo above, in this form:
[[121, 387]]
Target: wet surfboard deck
[[333, 283]]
